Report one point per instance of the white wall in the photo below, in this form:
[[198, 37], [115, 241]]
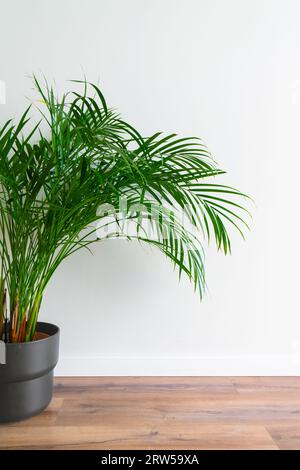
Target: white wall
[[228, 71]]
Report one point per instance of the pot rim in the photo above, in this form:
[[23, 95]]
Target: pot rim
[[27, 343]]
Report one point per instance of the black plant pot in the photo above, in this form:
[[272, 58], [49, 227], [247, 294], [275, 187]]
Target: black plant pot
[[26, 379]]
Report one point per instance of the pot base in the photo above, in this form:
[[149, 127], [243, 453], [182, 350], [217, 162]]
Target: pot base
[[22, 400]]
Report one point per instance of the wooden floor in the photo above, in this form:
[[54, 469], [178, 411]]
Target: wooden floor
[[164, 413]]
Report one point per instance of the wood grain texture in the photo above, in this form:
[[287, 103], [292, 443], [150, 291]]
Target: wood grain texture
[[164, 413]]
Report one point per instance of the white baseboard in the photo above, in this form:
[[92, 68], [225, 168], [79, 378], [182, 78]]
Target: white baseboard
[[204, 365]]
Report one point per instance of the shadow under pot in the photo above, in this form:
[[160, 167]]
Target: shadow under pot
[[26, 374]]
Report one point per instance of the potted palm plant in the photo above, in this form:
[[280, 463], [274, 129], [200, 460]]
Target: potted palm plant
[[60, 185]]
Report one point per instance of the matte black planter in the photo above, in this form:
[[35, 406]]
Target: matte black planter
[[26, 379]]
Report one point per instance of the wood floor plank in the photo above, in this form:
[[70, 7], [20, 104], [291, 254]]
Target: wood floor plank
[[136, 385], [134, 437], [266, 384], [286, 436], [164, 413], [190, 410]]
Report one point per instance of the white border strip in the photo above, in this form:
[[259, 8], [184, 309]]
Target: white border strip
[[205, 365]]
